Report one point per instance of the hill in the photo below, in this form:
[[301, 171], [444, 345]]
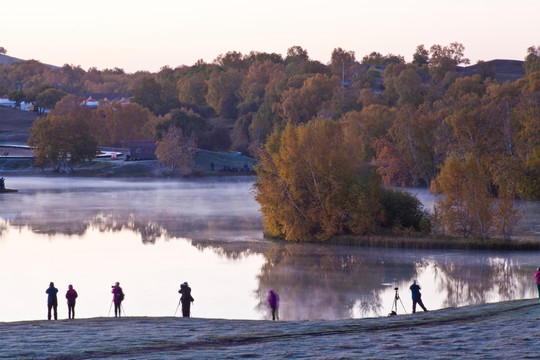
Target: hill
[[506, 330], [502, 70], [15, 125], [9, 60]]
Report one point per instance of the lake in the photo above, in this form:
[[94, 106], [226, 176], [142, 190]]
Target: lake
[[152, 235]]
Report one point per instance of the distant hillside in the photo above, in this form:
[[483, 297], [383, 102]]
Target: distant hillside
[[504, 70], [15, 125], [8, 60]]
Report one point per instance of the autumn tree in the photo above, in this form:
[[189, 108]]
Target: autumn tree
[[467, 207], [303, 104], [223, 88], [116, 124], [191, 123], [192, 89], [307, 185], [376, 58], [175, 151], [420, 56], [48, 99], [342, 61], [63, 138], [532, 60], [445, 59]]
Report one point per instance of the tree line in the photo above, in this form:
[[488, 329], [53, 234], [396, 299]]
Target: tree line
[[415, 122]]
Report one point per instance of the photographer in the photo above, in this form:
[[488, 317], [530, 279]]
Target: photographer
[[186, 299], [416, 297], [118, 297]]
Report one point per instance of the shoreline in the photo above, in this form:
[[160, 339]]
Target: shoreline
[[490, 331]]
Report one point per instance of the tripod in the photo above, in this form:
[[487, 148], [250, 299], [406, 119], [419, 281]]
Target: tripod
[[394, 303]]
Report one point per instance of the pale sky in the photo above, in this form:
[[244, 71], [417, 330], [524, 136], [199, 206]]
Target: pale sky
[[146, 35]]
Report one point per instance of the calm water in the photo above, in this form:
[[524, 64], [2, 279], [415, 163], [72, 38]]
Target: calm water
[[152, 235]]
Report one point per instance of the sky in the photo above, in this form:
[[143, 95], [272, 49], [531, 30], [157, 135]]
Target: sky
[[147, 35]]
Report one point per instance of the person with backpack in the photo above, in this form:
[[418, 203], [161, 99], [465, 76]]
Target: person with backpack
[[186, 299], [118, 297], [52, 301], [71, 295]]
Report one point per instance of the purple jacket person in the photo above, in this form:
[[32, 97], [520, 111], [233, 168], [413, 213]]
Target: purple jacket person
[[273, 301]]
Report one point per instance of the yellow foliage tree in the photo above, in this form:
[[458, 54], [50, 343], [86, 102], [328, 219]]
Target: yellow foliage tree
[[467, 207], [175, 151], [63, 138], [308, 186]]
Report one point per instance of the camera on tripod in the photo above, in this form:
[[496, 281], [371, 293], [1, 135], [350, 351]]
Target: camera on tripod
[[394, 303]]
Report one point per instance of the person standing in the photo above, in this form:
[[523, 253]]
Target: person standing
[[52, 301], [186, 299], [273, 301], [416, 297], [71, 295], [537, 278], [118, 297]]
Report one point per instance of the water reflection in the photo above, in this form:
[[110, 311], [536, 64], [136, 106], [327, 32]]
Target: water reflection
[[152, 235], [337, 282], [205, 209]]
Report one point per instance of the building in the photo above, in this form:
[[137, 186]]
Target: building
[[142, 150]]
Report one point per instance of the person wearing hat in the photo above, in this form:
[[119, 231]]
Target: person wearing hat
[[71, 295], [186, 299], [118, 297]]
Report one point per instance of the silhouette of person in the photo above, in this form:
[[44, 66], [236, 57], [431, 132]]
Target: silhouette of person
[[52, 301], [118, 297], [416, 297], [71, 295], [212, 165], [537, 278], [273, 301], [186, 299]]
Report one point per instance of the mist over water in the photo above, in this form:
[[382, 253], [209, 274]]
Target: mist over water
[[152, 235]]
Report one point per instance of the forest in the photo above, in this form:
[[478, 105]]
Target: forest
[[425, 122]]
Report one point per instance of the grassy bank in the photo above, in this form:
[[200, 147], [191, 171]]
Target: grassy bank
[[435, 242], [224, 164], [400, 241], [505, 330]]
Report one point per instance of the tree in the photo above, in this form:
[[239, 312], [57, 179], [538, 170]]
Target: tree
[[308, 186], [445, 59], [532, 60], [302, 105], [17, 96], [3, 50], [176, 151], [342, 60], [192, 89], [467, 207], [190, 123], [223, 88], [376, 58], [63, 138], [117, 124], [421, 56], [48, 99]]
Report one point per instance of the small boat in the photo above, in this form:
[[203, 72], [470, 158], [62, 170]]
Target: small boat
[[8, 190]]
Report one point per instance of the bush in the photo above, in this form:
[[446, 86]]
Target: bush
[[403, 210]]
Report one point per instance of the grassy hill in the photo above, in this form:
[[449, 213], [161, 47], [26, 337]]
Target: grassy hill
[[15, 125]]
